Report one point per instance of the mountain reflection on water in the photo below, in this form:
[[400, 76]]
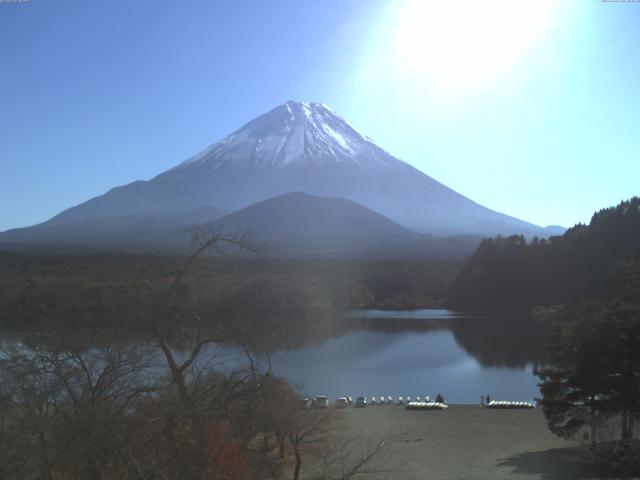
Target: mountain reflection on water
[[375, 353], [494, 341], [415, 353]]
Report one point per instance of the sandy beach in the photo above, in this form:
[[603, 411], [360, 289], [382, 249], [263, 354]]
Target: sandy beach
[[465, 442]]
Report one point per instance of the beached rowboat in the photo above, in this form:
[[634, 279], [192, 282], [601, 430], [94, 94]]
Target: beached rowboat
[[426, 406]]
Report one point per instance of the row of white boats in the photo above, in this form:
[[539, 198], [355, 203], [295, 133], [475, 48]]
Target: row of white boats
[[419, 403], [497, 405], [399, 401], [426, 406], [508, 405]]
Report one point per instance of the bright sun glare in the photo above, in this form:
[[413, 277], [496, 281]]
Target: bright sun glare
[[466, 43]]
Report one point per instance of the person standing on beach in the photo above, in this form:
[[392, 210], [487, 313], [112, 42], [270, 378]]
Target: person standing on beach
[[482, 401], [488, 399]]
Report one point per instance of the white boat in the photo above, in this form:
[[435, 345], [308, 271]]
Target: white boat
[[426, 406], [507, 405]]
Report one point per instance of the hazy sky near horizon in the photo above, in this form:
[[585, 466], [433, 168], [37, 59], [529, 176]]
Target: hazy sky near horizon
[[529, 108]]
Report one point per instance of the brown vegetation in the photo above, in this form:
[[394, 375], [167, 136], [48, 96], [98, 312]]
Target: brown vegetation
[[170, 404]]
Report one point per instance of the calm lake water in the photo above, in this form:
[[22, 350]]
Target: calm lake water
[[415, 353], [421, 353]]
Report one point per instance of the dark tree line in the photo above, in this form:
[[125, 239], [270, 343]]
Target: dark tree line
[[509, 273], [593, 382], [296, 291]]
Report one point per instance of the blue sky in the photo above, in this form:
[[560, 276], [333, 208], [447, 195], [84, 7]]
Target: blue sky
[[531, 113]]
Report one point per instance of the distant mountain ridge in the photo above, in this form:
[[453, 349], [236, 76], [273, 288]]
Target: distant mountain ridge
[[299, 224], [307, 148], [291, 225], [299, 214], [296, 147]]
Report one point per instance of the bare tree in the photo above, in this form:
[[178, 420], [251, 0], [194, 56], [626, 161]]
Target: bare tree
[[317, 434], [69, 409], [164, 408], [31, 398], [343, 458], [199, 399], [307, 429]]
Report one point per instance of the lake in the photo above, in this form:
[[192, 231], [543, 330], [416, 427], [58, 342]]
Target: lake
[[422, 352], [415, 353]]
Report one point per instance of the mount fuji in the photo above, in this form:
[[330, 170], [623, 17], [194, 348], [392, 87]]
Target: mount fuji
[[296, 147]]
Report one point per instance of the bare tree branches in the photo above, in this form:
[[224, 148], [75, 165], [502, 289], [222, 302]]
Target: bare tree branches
[[344, 458], [161, 407]]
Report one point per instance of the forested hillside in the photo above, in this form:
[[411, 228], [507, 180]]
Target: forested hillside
[[507, 273], [225, 288]]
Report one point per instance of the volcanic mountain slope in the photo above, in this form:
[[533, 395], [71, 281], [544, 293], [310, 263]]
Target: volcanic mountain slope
[[136, 233], [291, 225], [299, 215], [299, 224], [300, 147]]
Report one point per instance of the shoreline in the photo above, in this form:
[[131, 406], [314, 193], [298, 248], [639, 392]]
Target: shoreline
[[464, 442]]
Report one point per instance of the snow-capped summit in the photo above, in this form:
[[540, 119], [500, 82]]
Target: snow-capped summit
[[295, 132], [298, 147]]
